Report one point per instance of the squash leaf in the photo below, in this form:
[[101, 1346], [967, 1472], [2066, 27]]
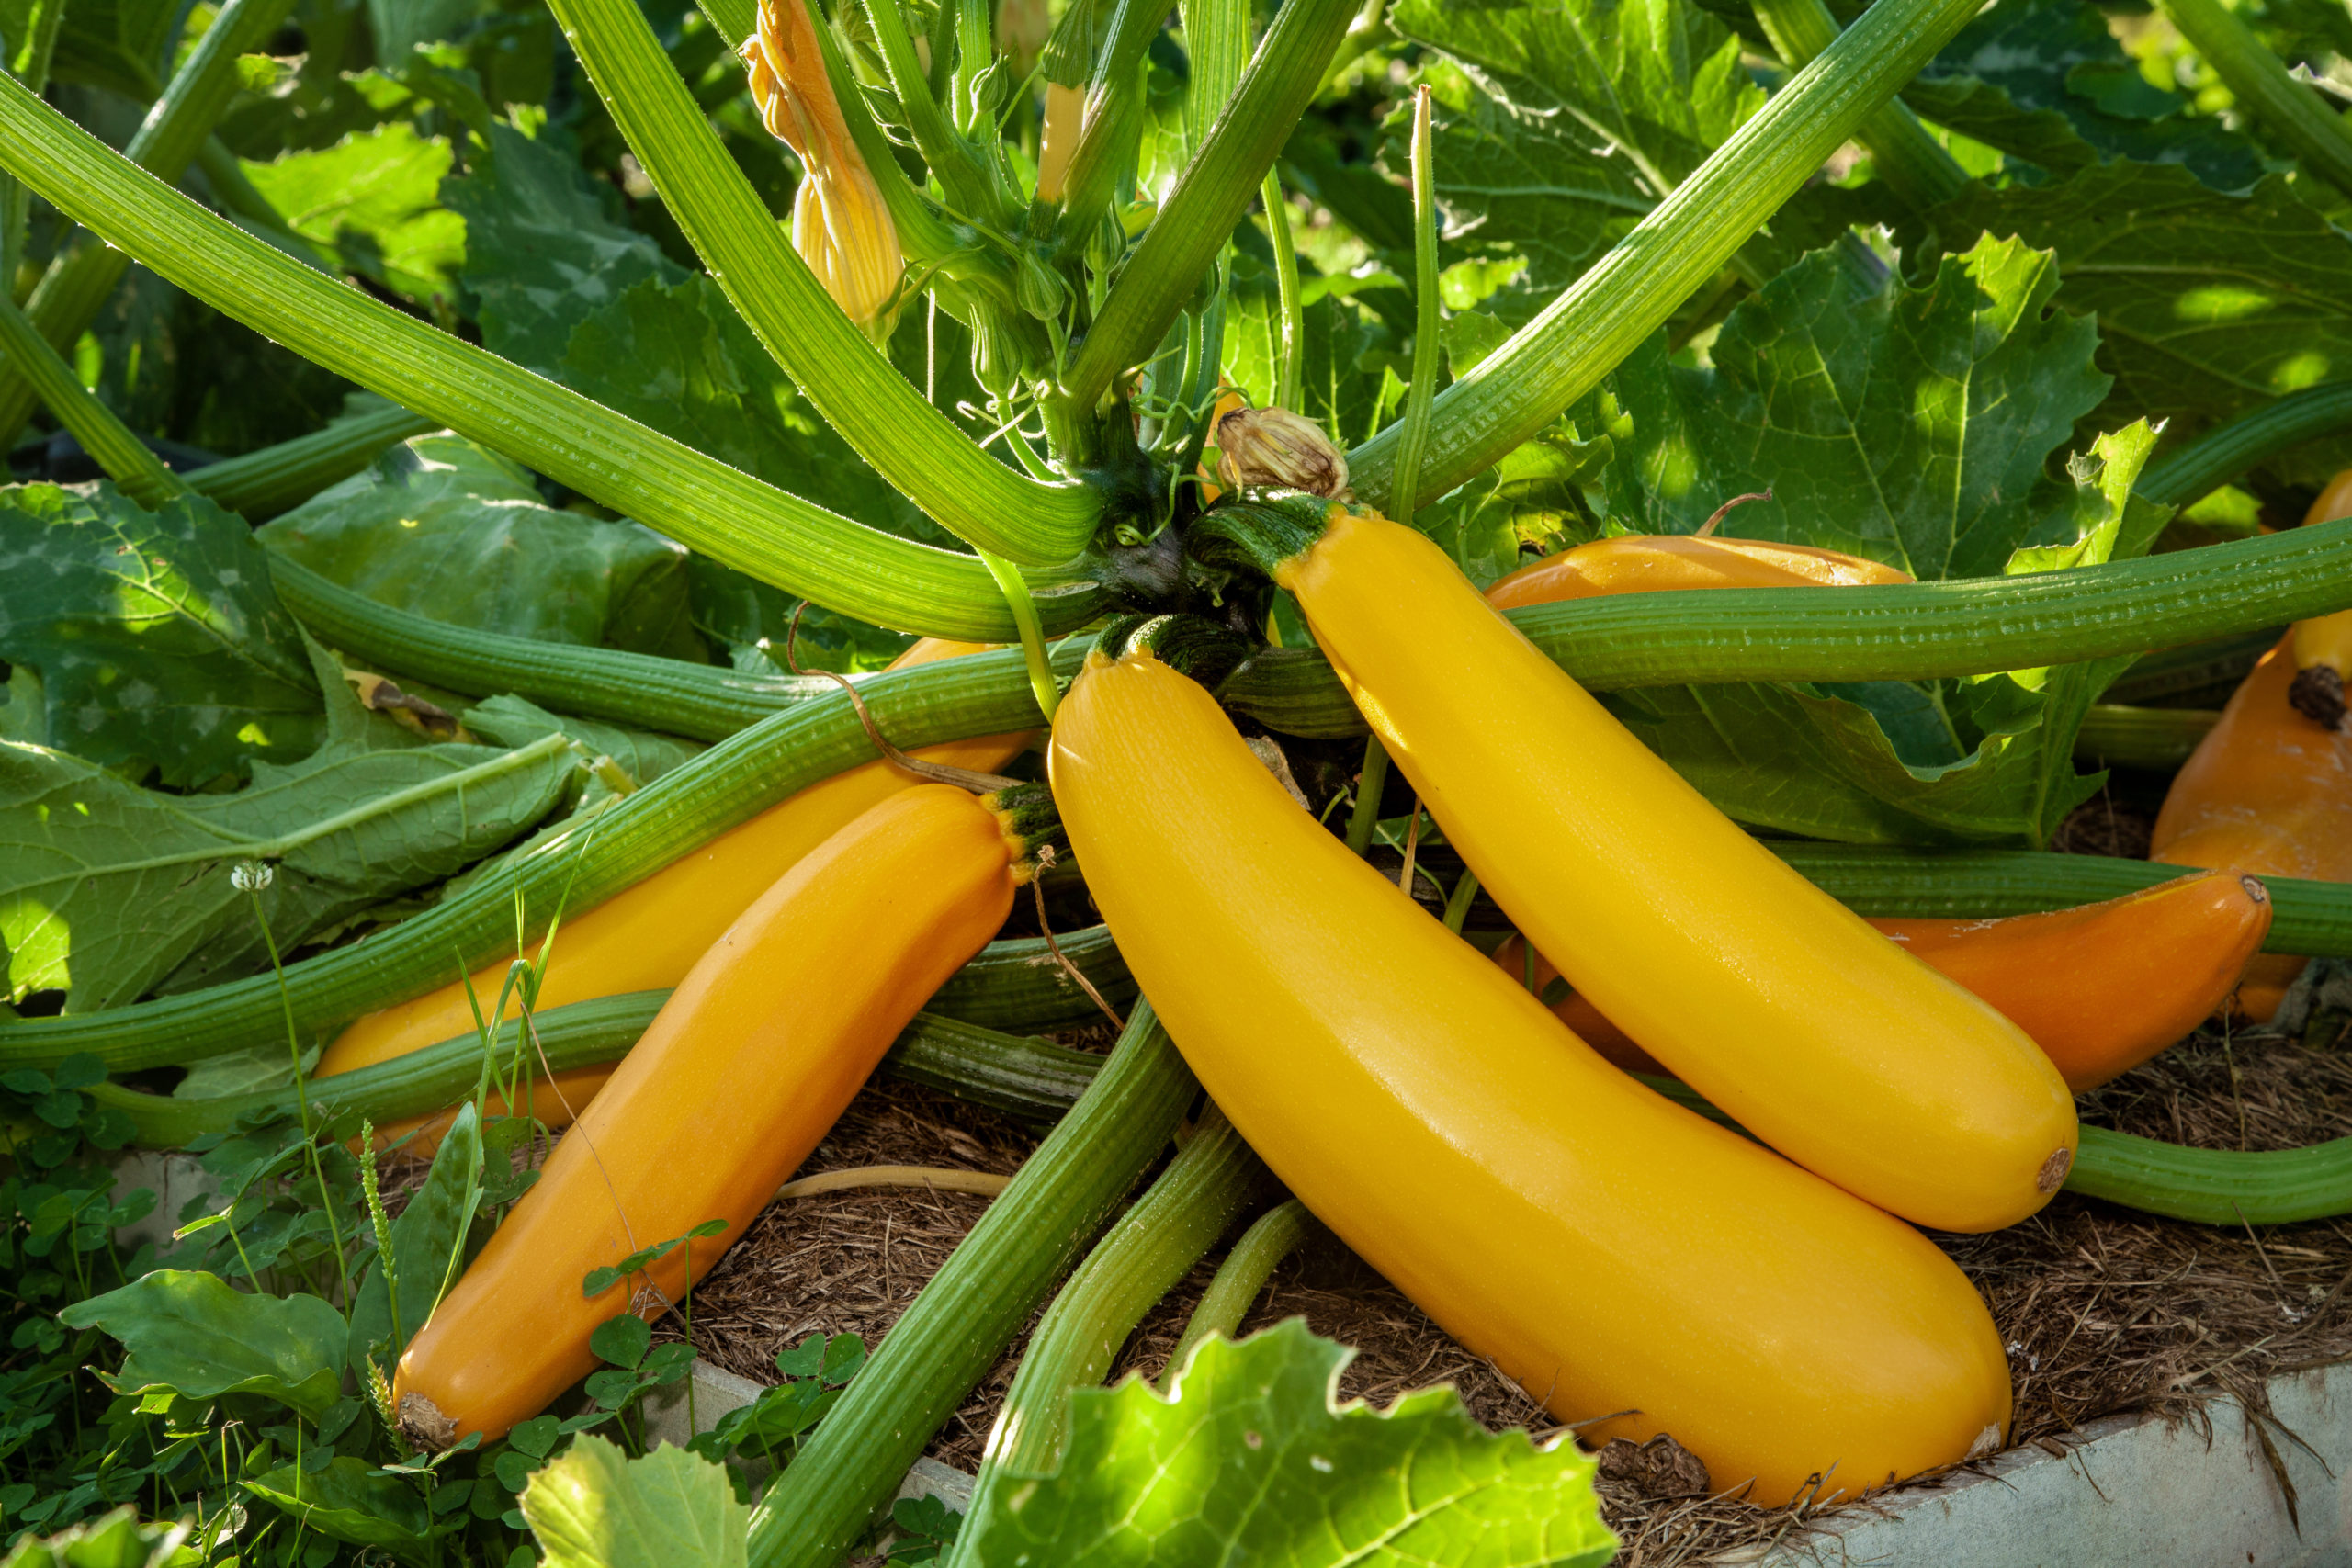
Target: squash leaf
[[1255, 1460], [594, 1507], [347, 1502], [2252, 298], [108, 891], [157, 637], [441, 527], [371, 204]]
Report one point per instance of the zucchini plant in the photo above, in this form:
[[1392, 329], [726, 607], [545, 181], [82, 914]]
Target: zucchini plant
[[463, 441]]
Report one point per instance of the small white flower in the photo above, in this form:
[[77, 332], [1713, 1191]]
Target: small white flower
[[251, 875]]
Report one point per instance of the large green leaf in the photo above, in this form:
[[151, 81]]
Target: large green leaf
[[1570, 118], [1342, 385], [444, 529], [344, 1502], [541, 254], [1254, 1460], [201, 1337], [1914, 426], [2208, 305], [116, 44], [2046, 81], [107, 891], [428, 1242], [594, 1507], [158, 639], [676, 357], [112, 1540], [372, 203], [1910, 426]]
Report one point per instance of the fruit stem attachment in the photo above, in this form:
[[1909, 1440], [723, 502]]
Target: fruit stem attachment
[[1413, 432]]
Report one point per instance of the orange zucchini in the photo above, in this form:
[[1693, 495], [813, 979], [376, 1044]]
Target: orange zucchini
[[645, 937], [2269, 792], [2100, 987], [1750, 984], [1615, 1255], [745, 1067], [1650, 563]]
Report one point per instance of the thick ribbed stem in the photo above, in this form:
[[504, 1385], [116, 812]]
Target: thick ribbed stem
[[909, 442], [1406, 493], [277, 479], [2226, 451], [2157, 739], [1279, 1231], [126, 460], [1684, 241], [1210, 196], [719, 510], [950, 1335], [2289, 111], [1153, 1244], [82, 273], [1911, 162]]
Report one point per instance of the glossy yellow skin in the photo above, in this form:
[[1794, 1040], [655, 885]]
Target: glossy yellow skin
[[744, 1069], [2326, 640], [1609, 1249], [1782, 1006], [646, 937], [1651, 563]]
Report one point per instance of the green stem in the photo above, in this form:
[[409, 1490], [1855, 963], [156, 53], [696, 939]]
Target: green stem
[[262, 484], [284, 844], [1153, 1244], [1279, 1231], [2226, 451], [943, 150], [581, 864], [1680, 245], [83, 275], [29, 64], [1217, 47], [1458, 902], [301, 1092], [980, 1299], [1365, 817], [717, 509], [2158, 738], [2215, 1187], [1413, 430], [1906, 632], [909, 443], [1291, 336], [1914, 164], [1016, 983], [1033, 641], [1210, 197], [2289, 111], [2310, 918], [126, 460], [1024, 1078]]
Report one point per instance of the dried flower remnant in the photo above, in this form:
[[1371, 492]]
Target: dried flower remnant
[[840, 224], [1259, 448]]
